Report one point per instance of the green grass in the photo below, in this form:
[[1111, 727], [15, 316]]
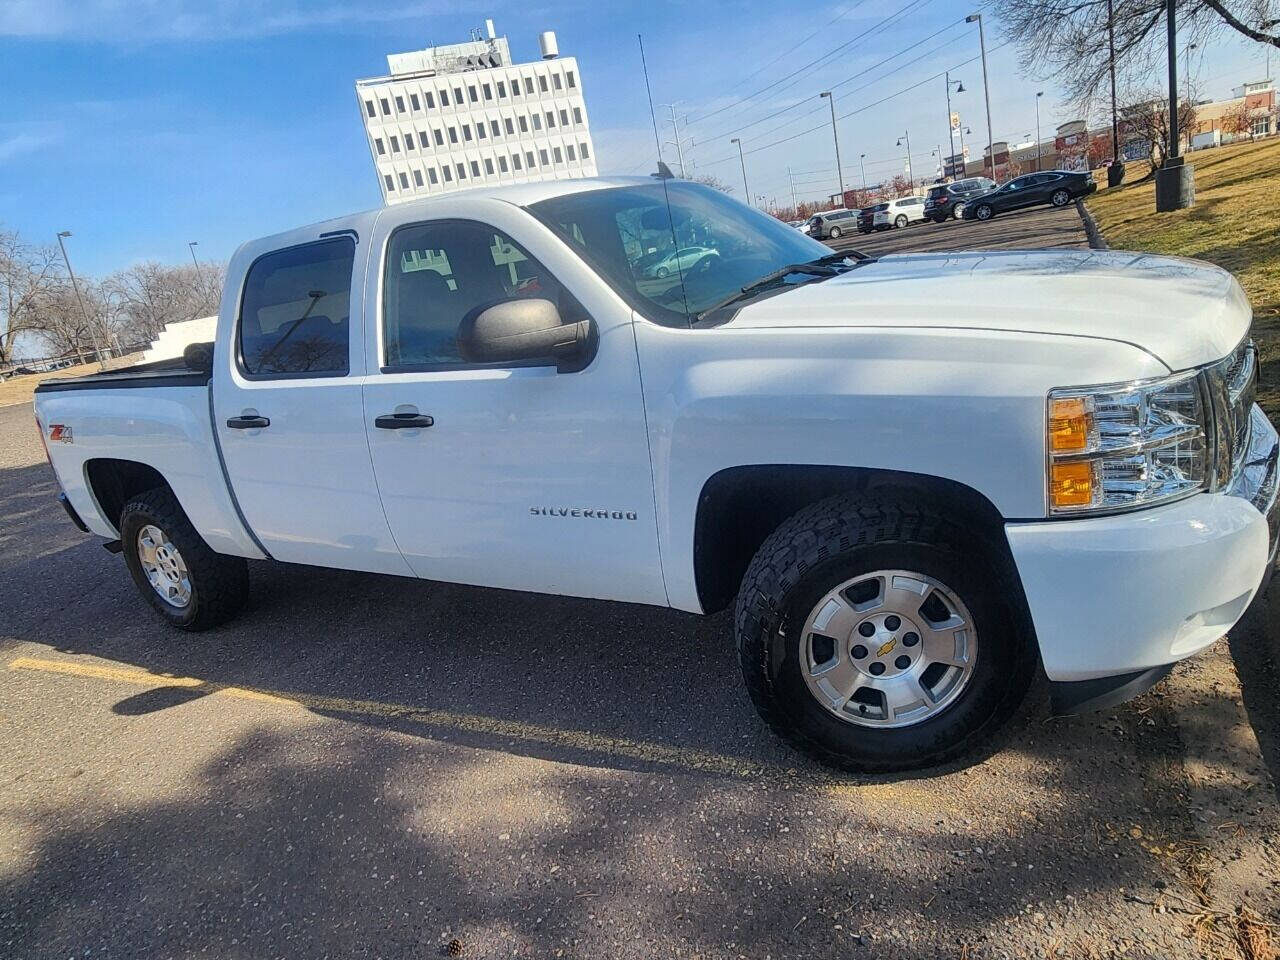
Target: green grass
[[1235, 223]]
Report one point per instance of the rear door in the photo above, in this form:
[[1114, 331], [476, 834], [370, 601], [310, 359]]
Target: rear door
[[287, 406]]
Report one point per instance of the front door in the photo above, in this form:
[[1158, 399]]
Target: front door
[[288, 410], [523, 476]]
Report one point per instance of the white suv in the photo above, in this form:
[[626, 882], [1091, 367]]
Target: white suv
[[899, 213]]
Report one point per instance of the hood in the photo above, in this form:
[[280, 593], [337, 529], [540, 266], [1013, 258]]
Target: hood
[[1183, 312]]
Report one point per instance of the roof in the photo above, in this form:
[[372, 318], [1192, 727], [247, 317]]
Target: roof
[[520, 194]]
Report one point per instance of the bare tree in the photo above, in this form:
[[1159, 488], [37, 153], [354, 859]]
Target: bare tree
[[1147, 119], [1238, 119], [714, 182], [1067, 39], [149, 295], [26, 274]]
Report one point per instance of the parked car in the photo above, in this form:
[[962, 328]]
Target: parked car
[[832, 224], [899, 213], [947, 200], [920, 479], [1055, 187], [677, 261], [867, 217]]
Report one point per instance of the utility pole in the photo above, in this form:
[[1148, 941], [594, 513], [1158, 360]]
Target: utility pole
[[835, 136], [93, 334], [986, 88], [746, 192], [678, 142], [1038, 96]]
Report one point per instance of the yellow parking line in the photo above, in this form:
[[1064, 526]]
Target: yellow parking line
[[468, 723]]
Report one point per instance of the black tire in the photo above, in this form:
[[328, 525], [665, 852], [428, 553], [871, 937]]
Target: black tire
[[1060, 197], [661, 273], [983, 211], [219, 584], [900, 220], [839, 538], [835, 233], [957, 211]]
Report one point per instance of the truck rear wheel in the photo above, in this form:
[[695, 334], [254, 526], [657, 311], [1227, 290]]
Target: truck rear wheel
[[188, 584], [878, 637]]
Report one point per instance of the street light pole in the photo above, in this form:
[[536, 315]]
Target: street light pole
[[191, 245], [1038, 96], [910, 175], [1175, 180], [1186, 70], [1112, 178], [93, 334], [836, 137], [986, 88], [746, 193], [951, 133], [863, 167]]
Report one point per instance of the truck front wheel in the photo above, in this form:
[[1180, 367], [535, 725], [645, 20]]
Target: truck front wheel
[[878, 636], [192, 587]]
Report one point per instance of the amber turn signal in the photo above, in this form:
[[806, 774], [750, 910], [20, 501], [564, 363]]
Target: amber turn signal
[[1070, 423], [1072, 484]]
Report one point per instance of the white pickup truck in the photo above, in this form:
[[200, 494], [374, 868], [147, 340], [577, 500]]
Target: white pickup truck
[[924, 478]]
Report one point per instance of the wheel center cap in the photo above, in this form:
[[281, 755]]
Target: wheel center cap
[[887, 647]]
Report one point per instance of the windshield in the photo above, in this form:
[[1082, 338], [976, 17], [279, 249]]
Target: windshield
[[628, 236]]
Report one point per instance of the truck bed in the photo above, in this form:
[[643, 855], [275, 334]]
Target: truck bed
[[159, 373]]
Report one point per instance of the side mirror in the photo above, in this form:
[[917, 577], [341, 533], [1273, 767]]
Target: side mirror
[[525, 329], [198, 357]]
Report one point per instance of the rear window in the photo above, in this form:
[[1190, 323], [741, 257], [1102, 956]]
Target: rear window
[[295, 312], [935, 192], [880, 206]]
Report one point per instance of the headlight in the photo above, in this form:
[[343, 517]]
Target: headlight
[[1122, 446]]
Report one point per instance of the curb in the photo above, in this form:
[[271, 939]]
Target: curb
[[1091, 230]]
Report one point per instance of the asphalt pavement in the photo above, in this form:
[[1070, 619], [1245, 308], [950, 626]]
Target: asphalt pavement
[[365, 766]]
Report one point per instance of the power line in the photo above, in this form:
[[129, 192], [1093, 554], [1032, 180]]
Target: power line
[[797, 46], [841, 83], [861, 109], [912, 7], [871, 83]]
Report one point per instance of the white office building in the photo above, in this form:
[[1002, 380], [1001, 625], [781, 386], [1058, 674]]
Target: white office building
[[460, 116]]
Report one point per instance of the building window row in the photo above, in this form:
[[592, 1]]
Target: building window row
[[465, 92], [480, 130], [518, 162]]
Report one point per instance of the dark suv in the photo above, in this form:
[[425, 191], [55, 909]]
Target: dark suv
[[867, 218], [1055, 187], [948, 199]]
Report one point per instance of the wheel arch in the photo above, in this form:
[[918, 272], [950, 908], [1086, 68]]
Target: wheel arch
[[112, 483], [740, 506]]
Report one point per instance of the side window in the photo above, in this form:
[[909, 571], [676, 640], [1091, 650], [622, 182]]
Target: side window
[[295, 312], [437, 273]]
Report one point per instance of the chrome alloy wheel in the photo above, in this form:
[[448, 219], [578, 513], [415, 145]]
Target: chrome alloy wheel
[[165, 569], [891, 648]]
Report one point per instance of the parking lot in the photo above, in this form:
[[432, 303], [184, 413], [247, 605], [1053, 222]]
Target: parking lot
[[368, 766], [1035, 227]]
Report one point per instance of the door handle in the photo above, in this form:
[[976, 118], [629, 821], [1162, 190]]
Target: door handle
[[403, 421], [248, 423]]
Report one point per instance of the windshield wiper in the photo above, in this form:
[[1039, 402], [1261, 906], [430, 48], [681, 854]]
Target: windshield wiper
[[820, 268]]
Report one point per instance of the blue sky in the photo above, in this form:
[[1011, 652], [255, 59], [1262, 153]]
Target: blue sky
[[141, 126]]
